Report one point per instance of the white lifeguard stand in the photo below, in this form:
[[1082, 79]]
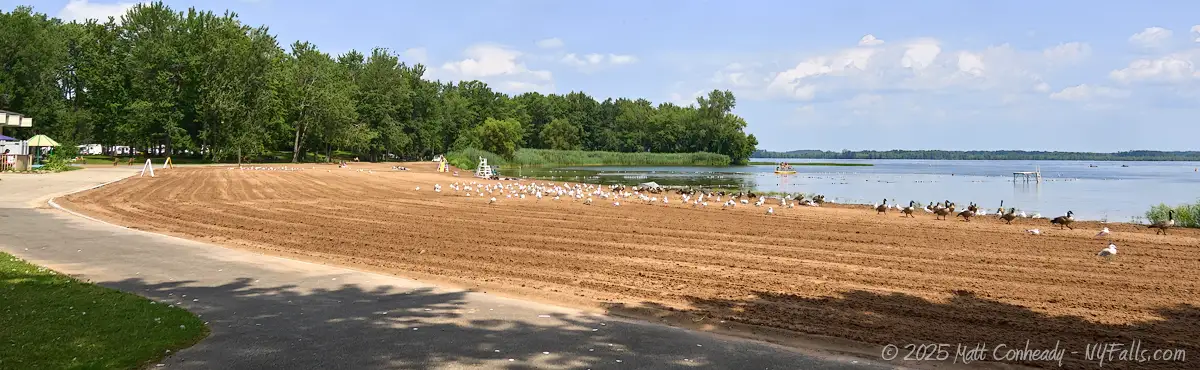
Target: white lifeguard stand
[[483, 170]]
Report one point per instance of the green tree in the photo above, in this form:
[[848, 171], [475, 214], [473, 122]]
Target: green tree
[[562, 135], [500, 136]]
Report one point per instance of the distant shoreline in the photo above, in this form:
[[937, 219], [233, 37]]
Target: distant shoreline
[[752, 163], [996, 155]]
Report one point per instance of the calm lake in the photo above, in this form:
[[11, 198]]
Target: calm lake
[[1106, 192]]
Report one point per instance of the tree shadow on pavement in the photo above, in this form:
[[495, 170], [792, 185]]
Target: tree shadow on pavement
[[258, 327], [968, 319]]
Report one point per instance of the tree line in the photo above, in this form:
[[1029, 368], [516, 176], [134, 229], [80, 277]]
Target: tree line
[[1135, 155], [205, 83]]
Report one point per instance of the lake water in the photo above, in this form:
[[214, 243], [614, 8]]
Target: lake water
[[1106, 192]]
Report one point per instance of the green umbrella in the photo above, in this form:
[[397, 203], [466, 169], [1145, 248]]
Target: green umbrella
[[42, 140]]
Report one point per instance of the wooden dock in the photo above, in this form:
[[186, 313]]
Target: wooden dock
[[1035, 174]]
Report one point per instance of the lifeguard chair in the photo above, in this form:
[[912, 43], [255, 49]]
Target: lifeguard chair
[[483, 170]]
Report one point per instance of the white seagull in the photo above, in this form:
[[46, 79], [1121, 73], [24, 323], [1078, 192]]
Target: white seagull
[[1103, 232], [1034, 232], [1108, 252], [770, 210]]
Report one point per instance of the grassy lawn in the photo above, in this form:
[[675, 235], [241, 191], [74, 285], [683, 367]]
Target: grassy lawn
[[52, 321]]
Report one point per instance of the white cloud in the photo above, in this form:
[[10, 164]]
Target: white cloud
[[1086, 92], [1151, 37], [1070, 52], [920, 54], [621, 59], [500, 66], [594, 61], [1173, 68], [869, 40], [550, 43], [417, 55], [1196, 33], [922, 64], [82, 10]]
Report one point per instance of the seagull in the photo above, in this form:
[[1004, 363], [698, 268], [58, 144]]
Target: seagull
[[493, 200], [1103, 232], [770, 210], [1034, 232], [1108, 252], [418, 188]]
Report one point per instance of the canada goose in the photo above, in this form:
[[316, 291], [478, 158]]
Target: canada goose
[[941, 213], [950, 207], [882, 208], [1009, 217], [1064, 221], [908, 211], [972, 207], [966, 215], [1162, 226]]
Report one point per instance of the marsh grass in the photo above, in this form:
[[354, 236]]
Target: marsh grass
[[468, 159]]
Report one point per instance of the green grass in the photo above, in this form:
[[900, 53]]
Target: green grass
[[51, 321], [1186, 215], [815, 164]]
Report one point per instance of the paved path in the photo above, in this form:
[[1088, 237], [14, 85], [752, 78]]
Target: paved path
[[269, 312]]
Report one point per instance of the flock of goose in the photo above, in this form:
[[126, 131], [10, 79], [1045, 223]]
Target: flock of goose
[[944, 209], [587, 193]]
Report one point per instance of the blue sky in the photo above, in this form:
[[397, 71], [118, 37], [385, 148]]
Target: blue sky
[[1044, 75]]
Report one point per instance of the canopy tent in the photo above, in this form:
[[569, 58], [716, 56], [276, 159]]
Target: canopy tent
[[7, 138], [42, 140]]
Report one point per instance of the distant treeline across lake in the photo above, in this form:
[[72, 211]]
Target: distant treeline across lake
[[985, 155]]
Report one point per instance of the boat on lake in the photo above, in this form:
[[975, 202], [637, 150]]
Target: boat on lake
[[785, 169]]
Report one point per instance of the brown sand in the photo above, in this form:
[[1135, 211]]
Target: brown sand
[[841, 272]]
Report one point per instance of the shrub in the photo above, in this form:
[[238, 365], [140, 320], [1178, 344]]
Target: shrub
[[1186, 215]]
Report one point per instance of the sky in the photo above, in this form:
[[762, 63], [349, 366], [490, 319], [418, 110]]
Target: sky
[[1072, 75]]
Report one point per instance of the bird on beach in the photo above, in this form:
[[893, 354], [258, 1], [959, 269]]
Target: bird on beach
[[1108, 252], [1009, 217], [1034, 232], [1103, 232], [908, 211], [770, 210], [1064, 221], [966, 215], [588, 201], [492, 201], [882, 208], [1162, 226]]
